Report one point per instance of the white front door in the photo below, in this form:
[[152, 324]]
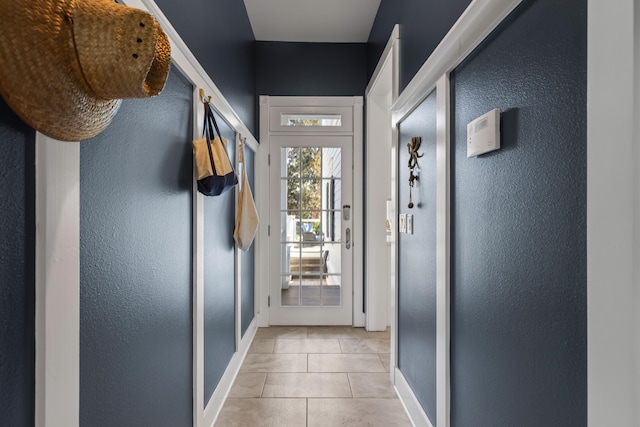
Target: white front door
[[310, 244]]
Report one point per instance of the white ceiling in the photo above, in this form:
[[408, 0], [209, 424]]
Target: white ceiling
[[328, 21]]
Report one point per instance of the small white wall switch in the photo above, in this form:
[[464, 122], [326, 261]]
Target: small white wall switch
[[483, 134], [402, 223], [409, 224]]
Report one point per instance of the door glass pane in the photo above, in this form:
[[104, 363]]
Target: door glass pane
[[330, 210], [293, 196], [311, 196], [311, 120], [311, 161], [310, 227], [290, 227], [311, 291], [331, 162], [291, 156], [332, 270]]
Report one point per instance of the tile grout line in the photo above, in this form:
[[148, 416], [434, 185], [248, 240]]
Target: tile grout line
[[264, 384], [378, 356]]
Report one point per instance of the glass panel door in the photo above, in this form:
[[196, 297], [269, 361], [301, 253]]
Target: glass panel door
[[311, 258]]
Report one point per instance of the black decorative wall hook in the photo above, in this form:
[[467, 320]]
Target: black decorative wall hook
[[413, 148]]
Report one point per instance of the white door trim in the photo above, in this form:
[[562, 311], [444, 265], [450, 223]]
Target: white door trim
[[57, 400], [381, 92], [474, 25], [443, 254], [263, 202], [358, 217], [390, 53], [613, 213]]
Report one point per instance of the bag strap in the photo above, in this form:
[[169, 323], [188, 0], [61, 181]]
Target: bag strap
[[212, 119], [209, 125], [208, 132]]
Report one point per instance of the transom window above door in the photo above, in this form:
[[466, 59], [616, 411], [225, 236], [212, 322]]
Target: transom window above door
[[311, 119]]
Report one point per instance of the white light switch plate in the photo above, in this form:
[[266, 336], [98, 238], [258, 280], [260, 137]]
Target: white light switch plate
[[409, 224], [402, 223]]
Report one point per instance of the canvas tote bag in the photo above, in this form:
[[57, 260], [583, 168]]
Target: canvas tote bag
[[214, 171], [246, 214]]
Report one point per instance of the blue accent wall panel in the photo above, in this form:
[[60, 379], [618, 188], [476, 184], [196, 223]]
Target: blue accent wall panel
[[417, 260], [17, 270], [423, 24], [219, 280], [519, 312], [311, 69], [219, 34], [135, 265], [248, 257]]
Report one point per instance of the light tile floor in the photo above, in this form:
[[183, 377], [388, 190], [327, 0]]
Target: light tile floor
[[320, 376]]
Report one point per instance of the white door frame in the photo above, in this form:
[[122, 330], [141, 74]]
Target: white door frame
[[380, 197], [613, 213], [263, 202]]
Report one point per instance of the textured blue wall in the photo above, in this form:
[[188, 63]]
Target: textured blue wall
[[519, 226], [219, 280], [248, 258], [17, 270], [417, 260], [219, 34], [311, 69], [135, 265], [423, 24]]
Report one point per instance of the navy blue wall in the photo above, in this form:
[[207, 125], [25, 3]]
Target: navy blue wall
[[219, 280], [423, 24], [417, 260], [248, 258], [219, 34], [519, 226], [226, 50], [17, 270], [311, 69], [135, 265]]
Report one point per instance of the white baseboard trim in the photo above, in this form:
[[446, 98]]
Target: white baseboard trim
[[411, 405], [213, 408]]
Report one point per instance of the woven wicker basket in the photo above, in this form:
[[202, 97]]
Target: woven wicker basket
[[65, 64]]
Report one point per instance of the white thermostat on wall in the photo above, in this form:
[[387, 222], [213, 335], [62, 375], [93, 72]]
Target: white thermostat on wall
[[483, 134]]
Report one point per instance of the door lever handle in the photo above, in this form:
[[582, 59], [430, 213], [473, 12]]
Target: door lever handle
[[348, 238]]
